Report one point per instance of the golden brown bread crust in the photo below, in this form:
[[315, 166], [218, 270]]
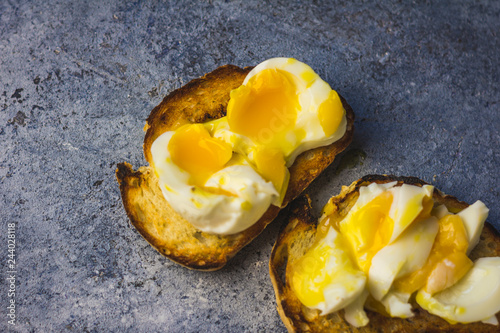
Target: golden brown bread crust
[[201, 100], [298, 235]]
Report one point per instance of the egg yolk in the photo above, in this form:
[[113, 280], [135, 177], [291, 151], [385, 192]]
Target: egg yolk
[[311, 274], [270, 164], [330, 113], [265, 109], [195, 151], [447, 262], [369, 229]]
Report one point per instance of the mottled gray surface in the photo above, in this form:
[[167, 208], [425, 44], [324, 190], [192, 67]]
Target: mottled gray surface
[[79, 78]]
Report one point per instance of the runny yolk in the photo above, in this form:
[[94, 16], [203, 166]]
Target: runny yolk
[[309, 275], [330, 113], [195, 151], [264, 109], [270, 164], [447, 262], [369, 229]]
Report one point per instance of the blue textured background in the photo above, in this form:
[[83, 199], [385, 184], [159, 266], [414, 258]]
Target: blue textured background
[[79, 78]]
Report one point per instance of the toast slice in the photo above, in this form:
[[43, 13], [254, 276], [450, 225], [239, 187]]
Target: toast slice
[[198, 101], [298, 234]]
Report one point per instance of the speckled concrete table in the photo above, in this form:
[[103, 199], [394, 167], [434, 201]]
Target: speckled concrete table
[[79, 78]]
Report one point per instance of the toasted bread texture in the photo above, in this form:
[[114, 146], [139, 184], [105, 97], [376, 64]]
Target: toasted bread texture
[[298, 234], [199, 101]]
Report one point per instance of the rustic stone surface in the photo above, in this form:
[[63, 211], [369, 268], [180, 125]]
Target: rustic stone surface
[[79, 78]]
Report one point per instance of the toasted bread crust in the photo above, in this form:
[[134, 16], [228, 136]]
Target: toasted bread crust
[[202, 100], [298, 234]]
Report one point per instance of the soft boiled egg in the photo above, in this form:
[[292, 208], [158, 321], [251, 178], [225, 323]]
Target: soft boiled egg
[[362, 236], [221, 176], [392, 243], [381, 213], [202, 181], [283, 104]]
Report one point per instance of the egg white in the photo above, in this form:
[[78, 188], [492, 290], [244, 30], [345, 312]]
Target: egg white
[[406, 255], [209, 212], [406, 196]]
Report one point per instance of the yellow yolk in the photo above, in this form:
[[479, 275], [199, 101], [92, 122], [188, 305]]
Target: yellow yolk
[[265, 109], [195, 151], [270, 164], [330, 113], [369, 229], [427, 205], [447, 272], [447, 262], [311, 275]]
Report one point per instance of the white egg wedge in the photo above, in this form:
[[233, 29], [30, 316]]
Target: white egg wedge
[[473, 218], [367, 194], [407, 205], [355, 313], [440, 211], [407, 254], [476, 297], [396, 304]]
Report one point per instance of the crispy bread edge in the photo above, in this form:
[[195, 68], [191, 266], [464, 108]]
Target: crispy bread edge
[[302, 225], [206, 258]]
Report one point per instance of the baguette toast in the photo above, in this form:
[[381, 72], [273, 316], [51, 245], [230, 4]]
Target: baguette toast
[[298, 235], [199, 101]]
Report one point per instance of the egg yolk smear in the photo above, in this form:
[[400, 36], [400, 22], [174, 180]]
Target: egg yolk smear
[[194, 150], [310, 274]]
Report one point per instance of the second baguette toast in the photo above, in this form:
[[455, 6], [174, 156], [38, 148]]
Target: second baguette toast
[[299, 234]]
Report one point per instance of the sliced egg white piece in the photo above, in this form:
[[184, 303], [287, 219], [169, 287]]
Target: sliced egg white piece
[[396, 304], [367, 194], [355, 313], [407, 254], [341, 293], [440, 211], [345, 286], [473, 218], [491, 320], [475, 297], [406, 206]]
